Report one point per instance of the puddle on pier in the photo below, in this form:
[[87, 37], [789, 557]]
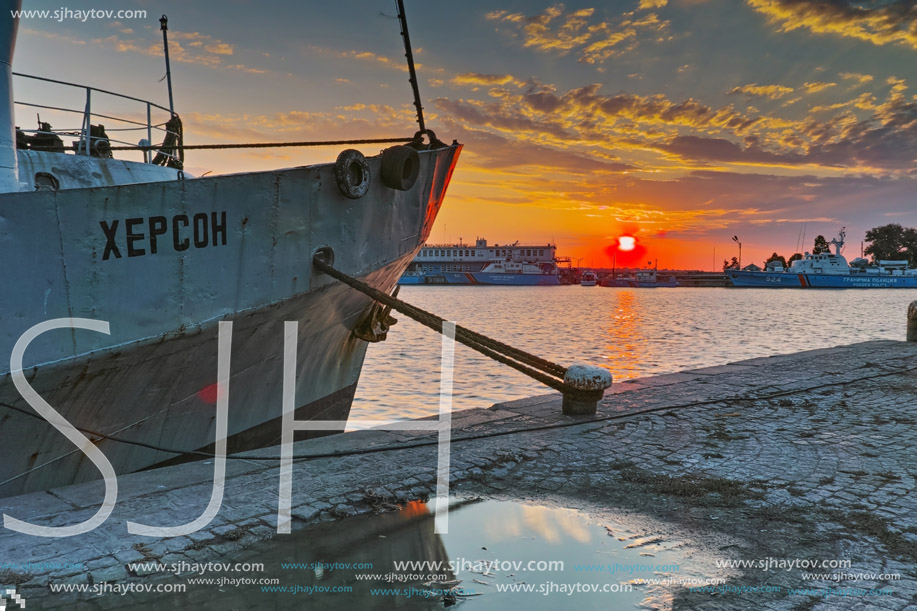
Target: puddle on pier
[[500, 551]]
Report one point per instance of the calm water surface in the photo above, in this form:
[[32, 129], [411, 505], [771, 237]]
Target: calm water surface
[[632, 332]]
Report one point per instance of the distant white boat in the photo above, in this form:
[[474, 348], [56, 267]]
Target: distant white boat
[[588, 278], [642, 278], [486, 264]]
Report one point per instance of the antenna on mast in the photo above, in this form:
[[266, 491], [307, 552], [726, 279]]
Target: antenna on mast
[[164, 26], [838, 242], [409, 54]]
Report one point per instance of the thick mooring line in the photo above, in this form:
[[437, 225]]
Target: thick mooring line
[[582, 385]]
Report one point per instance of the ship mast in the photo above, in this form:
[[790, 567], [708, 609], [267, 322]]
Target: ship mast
[[838, 242], [409, 54], [164, 26], [9, 159]]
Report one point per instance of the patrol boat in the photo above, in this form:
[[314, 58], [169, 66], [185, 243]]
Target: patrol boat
[[163, 257], [831, 271]]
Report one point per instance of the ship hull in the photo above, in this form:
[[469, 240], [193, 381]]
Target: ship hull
[[163, 264], [824, 281], [424, 279], [502, 279]]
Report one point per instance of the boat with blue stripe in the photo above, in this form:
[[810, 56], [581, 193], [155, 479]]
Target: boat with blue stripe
[[493, 274], [821, 281], [828, 270]]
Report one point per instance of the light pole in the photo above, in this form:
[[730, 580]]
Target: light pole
[[735, 239]]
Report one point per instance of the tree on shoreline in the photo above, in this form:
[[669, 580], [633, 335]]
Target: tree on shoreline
[[892, 242], [821, 246], [776, 257]]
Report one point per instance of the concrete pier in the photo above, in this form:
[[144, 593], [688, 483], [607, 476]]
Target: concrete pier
[[801, 456]]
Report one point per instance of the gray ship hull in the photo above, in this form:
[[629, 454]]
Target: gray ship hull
[[163, 263]]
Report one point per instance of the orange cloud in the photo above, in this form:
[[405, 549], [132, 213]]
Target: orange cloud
[[210, 44], [899, 86], [52, 36], [184, 47], [476, 78], [881, 24], [865, 101], [366, 56], [816, 87], [859, 79], [220, 48], [247, 69], [345, 122], [562, 32], [653, 134], [771, 92]]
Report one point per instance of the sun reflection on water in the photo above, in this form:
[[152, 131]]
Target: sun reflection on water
[[625, 337], [632, 332]]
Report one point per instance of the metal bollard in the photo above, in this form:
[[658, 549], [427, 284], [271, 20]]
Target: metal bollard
[[912, 322], [589, 385]]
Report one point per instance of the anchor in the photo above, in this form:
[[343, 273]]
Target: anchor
[[375, 325]]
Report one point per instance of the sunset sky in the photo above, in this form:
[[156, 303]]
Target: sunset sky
[[683, 122]]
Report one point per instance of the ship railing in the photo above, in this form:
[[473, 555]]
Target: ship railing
[[85, 142]]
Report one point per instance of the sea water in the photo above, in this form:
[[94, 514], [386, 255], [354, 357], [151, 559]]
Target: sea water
[[631, 332]]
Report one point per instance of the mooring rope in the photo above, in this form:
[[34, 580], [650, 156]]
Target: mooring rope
[[473, 437], [261, 145], [548, 373]]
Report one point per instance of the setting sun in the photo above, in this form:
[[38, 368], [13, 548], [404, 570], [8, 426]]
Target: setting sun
[[626, 242]]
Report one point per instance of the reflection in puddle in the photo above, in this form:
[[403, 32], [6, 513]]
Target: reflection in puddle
[[496, 554]]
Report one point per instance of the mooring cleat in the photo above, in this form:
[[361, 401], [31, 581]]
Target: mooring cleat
[[587, 385]]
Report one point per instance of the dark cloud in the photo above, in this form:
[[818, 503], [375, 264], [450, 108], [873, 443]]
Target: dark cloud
[[499, 116], [750, 196], [886, 141], [719, 149], [496, 151]]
